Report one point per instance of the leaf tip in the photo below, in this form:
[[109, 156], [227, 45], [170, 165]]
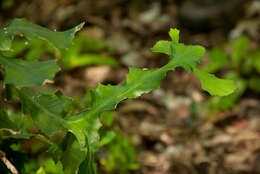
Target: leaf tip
[[174, 34]]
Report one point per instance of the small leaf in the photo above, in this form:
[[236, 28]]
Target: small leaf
[[28, 73], [227, 102], [174, 34], [162, 46], [214, 85], [107, 138], [60, 40], [187, 57]]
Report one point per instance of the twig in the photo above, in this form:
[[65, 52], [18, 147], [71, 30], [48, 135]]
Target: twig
[[8, 164]]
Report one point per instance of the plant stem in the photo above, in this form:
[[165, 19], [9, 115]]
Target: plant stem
[[8, 164]]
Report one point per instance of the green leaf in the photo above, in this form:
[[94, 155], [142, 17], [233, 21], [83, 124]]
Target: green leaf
[[85, 127], [227, 102], [13, 125], [107, 118], [187, 57], [105, 98], [174, 34], [74, 61], [10, 121], [239, 49], [214, 85], [255, 55], [107, 138], [88, 165], [73, 155], [162, 46], [28, 73], [51, 167], [46, 110], [218, 59], [253, 83], [73, 56], [121, 155], [60, 40]]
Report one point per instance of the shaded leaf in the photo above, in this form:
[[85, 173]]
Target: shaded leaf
[[73, 155], [60, 40], [28, 73], [239, 49], [218, 59], [45, 109], [13, 125], [88, 165], [254, 83], [85, 127], [73, 56]]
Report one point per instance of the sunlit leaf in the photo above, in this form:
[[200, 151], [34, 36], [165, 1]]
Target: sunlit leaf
[[214, 85]]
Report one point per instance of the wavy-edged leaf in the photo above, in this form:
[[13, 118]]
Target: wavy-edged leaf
[[46, 110], [162, 46], [105, 98], [140, 81], [214, 85], [187, 57], [28, 73], [60, 40]]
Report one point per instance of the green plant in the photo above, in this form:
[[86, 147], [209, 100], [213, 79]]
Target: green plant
[[66, 139], [84, 51], [241, 65]]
